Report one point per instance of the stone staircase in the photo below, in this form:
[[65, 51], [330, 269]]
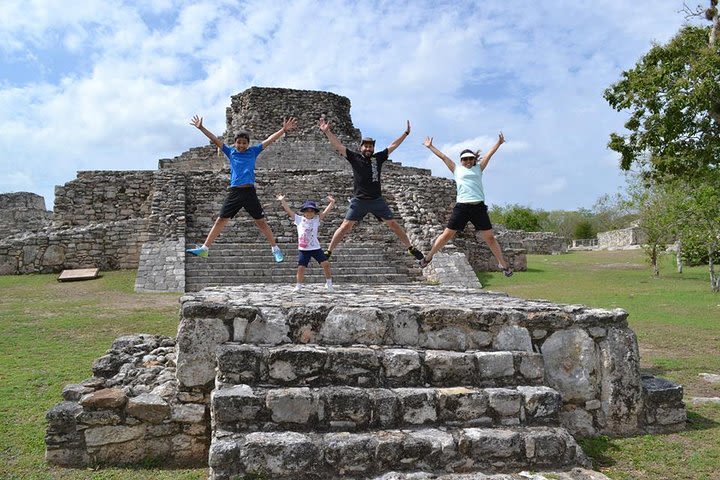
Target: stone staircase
[[338, 403], [369, 254]]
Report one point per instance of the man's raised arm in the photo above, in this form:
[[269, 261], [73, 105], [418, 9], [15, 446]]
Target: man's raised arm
[[334, 140], [400, 139]]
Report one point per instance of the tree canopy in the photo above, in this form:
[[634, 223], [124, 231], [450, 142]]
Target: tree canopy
[[673, 94]]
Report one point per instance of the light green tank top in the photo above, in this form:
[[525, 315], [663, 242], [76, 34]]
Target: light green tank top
[[468, 182]]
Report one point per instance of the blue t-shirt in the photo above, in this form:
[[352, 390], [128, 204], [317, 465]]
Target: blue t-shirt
[[242, 164]]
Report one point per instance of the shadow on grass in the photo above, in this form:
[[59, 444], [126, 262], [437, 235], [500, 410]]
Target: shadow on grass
[[696, 422], [599, 450], [486, 278]]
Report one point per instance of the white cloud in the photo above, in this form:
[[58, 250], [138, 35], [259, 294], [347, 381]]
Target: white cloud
[[459, 71]]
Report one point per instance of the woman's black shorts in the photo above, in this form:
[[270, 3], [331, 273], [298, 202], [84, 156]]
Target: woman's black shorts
[[462, 213]]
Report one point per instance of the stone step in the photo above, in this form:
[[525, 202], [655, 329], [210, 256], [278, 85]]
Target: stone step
[[242, 408], [294, 455], [362, 366], [576, 473], [313, 281], [284, 268]]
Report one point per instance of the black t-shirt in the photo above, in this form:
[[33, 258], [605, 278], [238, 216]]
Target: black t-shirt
[[366, 173]]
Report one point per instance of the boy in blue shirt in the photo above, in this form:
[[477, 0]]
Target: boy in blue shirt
[[242, 194]]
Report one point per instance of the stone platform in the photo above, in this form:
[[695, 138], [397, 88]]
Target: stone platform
[[375, 381]]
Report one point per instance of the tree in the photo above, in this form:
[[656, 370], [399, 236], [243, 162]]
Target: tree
[[522, 218], [673, 94], [584, 229]]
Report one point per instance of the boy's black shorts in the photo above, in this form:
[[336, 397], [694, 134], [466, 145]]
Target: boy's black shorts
[[462, 213], [242, 197]]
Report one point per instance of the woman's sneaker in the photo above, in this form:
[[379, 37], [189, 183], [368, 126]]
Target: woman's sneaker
[[508, 272], [425, 262]]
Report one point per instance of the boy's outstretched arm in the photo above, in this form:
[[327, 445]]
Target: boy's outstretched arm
[[334, 140], [396, 143], [328, 208], [288, 124], [197, 122], [285, 206], [428, 143], [491, 152]]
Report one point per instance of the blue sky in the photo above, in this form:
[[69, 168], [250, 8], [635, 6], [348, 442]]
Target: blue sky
[[111, 85]]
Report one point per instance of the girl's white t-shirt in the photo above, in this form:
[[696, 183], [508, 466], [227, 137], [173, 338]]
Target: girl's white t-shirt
[[307, 232]]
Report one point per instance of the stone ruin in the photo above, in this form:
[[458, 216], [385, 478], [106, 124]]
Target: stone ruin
[[146, 219], [22, 212], [373, 382]]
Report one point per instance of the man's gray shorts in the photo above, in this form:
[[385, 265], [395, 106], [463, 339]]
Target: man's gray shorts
[[359, 207]]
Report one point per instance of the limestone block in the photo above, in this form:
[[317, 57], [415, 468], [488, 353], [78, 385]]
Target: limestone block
[[292, 405], [494, 364], [402, 367], [107, 398], [296, 363], [504, 401], [540, 402], [348, 453], [578, 422], [268, 327], [197, 340], [532, 366], [490, 443], [61, 417], [99, 417], [279, 453], [621, 384], [347, 404], [447, 338], [450, 368], [148, 407], [571, 364], [241, 363], [403, 327], [74, 392], [461, 404], [188, 413], [239, 327], [224, 453], [54, 255], [349, 325], [236, 404], [384, 406], [98, 436], [354, 366], [513, 337], [547, 447], [433, 448], [417, 405]]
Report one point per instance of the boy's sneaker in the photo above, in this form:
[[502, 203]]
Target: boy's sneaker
[[328, 253], [415, 253], [198, 251], [279, 257], [425, 262], [508, 272]]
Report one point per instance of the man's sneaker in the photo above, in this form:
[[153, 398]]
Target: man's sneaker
[[279, 257], [198, 251], [296, 289], [415, 253], [329, 288], [508, 272], [328, 253], [425, 262]]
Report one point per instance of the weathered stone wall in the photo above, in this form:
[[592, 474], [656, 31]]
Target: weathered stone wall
[[130, 410], [103, 196], [108, 246], [624, 237], [22, 212], [542, 243]]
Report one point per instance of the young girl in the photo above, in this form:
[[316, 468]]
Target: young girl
[[470, 203], [308, 243]]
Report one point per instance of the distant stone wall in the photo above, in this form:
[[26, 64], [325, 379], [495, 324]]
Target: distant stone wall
[[542, 243], [103, 196], [624, 237], [22, 212], [197, 158], [108, 246]]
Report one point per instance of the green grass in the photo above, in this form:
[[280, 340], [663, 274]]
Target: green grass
[[52, 332], [677, 320]]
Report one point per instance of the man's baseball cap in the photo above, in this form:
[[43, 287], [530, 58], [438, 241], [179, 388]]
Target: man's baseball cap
[[367, 140]]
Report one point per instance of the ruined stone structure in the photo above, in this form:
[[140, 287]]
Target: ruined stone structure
[[367, 381], [22, 212], [146, 219], [622, 238], [542, 243]]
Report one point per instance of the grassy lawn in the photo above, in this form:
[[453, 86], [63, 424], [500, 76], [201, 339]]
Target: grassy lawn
[[52, 332], [677, 320]]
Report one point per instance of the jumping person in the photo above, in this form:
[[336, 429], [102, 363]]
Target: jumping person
[[366, 166], [242, 193], [470, 202], [308, 243]]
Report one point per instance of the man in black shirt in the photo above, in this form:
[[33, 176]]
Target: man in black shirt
[[366, 166]]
